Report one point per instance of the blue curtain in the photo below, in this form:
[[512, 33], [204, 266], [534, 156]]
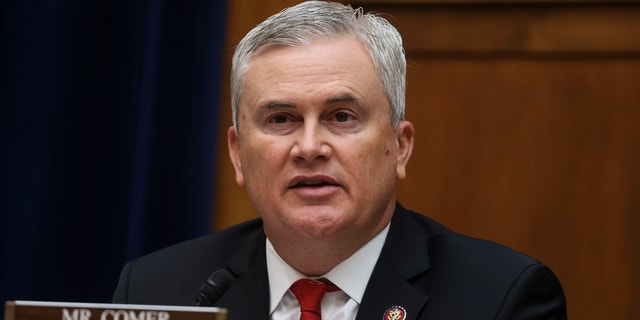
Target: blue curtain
[[108, 113]]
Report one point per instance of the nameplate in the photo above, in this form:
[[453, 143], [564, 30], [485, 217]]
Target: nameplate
[[43, 310]]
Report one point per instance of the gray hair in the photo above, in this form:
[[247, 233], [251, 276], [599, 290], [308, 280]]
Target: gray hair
[[312, 20]]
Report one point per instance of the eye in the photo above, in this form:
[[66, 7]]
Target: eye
[[344, 121], [281, 123], [279, 118], [343, 117]]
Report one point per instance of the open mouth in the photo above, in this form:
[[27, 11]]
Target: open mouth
[[317, 181], [312, 183]]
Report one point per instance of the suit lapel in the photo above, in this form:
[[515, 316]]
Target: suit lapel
[[248, 296], [403, 260], [404, 257]]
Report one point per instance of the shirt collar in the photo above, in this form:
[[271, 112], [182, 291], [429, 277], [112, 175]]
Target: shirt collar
[[351, 275]]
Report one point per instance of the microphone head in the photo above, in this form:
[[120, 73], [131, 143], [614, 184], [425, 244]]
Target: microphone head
[[214, 287]]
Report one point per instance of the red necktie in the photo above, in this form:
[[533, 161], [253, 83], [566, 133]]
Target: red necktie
[[309, 294]]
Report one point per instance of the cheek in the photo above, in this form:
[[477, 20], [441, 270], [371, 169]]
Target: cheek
[[256, 169], [262, 158], [373, 160]]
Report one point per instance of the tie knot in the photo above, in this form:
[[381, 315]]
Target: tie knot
[[309, 293]]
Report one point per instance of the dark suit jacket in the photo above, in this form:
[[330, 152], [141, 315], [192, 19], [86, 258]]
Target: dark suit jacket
[[424, 267]]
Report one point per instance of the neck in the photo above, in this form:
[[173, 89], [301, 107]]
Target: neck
[[316, 257]]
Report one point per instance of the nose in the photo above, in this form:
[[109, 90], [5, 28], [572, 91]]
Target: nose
[[311, 144]]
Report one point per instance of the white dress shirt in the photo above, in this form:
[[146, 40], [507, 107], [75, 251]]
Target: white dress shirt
[[351, 276]]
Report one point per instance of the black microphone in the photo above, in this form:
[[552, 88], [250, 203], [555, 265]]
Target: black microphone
[[212, 289]]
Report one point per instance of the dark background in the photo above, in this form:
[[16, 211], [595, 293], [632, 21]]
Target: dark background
[[108, 113]]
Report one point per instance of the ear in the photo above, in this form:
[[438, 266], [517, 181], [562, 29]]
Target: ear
[[234, 153], [404, 136]]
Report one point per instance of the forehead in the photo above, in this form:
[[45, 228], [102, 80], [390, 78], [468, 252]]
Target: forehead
[[325, 66]]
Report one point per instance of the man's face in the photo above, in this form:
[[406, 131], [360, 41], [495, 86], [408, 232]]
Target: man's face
[[315, 149]]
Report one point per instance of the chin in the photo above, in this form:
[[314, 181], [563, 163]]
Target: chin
[[318, 221]]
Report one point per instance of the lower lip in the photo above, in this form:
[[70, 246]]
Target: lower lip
[[315, 192]]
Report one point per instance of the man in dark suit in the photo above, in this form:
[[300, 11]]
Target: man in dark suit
[[319, 140]]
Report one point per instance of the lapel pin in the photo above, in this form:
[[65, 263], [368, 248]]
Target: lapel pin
[[395, 313]]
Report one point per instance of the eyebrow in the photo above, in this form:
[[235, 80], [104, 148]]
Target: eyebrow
[[278, 104], [346, 97]]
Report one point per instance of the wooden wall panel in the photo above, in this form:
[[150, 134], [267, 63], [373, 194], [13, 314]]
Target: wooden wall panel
[[550, 169], [527, 122]]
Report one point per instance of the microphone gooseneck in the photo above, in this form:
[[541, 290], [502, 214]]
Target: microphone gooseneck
[[214, 287]]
